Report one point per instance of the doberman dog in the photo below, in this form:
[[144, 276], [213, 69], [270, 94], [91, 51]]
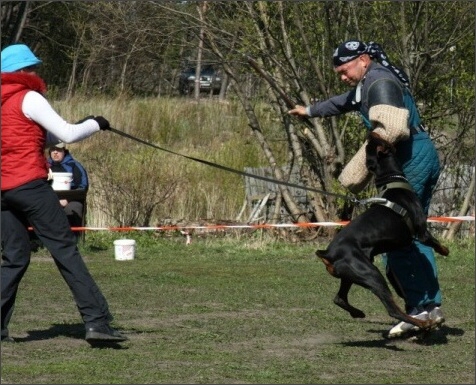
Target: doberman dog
[[388, 225]]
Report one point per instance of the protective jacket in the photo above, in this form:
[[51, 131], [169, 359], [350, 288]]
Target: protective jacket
[[385, 104], [23, 140]]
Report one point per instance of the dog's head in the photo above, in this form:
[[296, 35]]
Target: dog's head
[[377, 149]]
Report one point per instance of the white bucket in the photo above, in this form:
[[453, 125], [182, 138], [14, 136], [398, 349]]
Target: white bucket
[[62, 180], [124, 249]]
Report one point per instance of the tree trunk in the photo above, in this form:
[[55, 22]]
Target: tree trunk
[[454, 227], [202, 8]]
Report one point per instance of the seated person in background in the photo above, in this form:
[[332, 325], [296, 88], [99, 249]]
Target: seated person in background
[[60, 160]]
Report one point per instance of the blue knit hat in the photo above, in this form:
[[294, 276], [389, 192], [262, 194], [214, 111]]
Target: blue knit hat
[[17, 56]]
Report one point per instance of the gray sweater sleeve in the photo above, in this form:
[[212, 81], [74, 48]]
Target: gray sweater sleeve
[[336, 105]]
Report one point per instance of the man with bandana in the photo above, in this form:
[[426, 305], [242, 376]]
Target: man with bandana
[[380, 93]]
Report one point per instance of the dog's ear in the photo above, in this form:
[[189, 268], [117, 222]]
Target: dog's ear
[[374, 135], [381, 150], [373, 151]]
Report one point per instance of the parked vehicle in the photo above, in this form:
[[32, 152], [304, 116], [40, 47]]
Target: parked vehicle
[[210, 80]]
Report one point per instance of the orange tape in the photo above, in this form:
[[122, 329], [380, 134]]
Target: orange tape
[[258, 226]]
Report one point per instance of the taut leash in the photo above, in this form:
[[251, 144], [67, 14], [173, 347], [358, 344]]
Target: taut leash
[[229, 169]]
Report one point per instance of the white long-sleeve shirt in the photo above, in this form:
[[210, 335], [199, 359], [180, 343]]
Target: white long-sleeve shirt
[[38, 109]]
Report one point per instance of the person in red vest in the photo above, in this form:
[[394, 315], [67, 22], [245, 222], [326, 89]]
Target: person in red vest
[[28, 124]]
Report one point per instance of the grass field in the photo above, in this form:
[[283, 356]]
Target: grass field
[[231, 310]]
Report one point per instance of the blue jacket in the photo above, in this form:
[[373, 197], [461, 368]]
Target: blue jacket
[[69, 164]]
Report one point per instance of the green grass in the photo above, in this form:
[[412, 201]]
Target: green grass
[[230, 310]]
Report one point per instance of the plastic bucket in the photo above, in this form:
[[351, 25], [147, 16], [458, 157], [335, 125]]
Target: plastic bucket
[[124, 249], [62, 180]]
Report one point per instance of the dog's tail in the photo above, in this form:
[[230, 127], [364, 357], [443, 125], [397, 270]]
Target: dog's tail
[[429, 240], [440, 249]]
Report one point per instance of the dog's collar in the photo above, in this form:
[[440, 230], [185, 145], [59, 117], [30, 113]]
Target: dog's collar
[[387, 186], [392, 206]]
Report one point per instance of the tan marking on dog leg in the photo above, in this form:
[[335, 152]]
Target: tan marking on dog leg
[[329, 266]]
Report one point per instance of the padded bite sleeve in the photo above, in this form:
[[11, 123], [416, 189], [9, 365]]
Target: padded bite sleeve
[[391, 123], [355, 175]]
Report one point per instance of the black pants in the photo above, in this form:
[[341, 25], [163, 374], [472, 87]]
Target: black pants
[[36, 203]]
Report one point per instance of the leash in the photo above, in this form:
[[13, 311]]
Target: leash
[[229, 169]]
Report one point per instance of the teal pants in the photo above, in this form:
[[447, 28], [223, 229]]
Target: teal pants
[[412, 270], [414, 275]]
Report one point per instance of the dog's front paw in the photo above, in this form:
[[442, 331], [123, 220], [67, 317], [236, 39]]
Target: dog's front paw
[[356, 313]]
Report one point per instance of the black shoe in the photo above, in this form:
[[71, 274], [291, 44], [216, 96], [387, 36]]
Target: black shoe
[[7, 339], [104, 333]]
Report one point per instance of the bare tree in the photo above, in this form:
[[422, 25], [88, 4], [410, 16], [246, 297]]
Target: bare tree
[[294, 59], [201, 8], [138, 48], [14, 15]]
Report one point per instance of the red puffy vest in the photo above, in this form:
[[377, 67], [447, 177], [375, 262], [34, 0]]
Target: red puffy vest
[[23, 140]]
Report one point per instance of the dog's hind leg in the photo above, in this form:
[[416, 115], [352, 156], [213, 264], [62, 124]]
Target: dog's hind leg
[[375, 282], [342, 301]]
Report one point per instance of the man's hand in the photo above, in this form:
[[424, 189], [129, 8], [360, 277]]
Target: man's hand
[[298, 110]]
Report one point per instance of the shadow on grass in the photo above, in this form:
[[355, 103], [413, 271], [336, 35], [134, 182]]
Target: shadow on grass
[[66, 330], [435, 337], [438, 336], [380, 343]]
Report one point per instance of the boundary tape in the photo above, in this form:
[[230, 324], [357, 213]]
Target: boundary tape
[[258, 226]]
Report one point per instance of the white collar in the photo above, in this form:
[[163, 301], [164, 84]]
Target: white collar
[[358, 93]]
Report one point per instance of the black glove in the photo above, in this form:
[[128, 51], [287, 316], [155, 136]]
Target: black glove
[[103, 123], [84, 119]]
